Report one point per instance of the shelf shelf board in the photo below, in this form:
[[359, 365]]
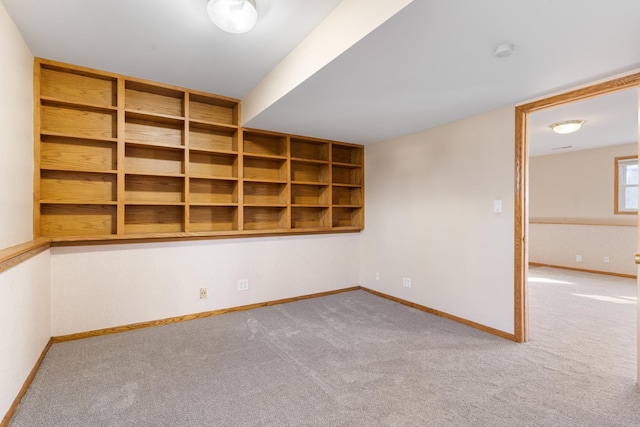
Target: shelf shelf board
[[224, 205], [339, 184], [77, 137], [347, 165], [78, 202], [220, 126], [264, 157], [211, 151], [312, 228], [154, 117], [313, 183], [309, 161], [159, 145], [84, 105], [265, 181], [152, 203], [214, 178], [307, 205], [347, 206], [179, 236], [265, 205], [143, 173], [79, 170], [266, 231]]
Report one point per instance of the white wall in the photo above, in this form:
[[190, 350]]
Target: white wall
[[25, 316], [16, 135], [97, 287], [558, 244], [577, 186], [429, 217], [25, 312]]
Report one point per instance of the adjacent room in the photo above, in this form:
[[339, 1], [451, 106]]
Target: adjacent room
[[316, 213]]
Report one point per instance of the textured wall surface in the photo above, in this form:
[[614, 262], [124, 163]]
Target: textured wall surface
[[558, 244], [430, 218]]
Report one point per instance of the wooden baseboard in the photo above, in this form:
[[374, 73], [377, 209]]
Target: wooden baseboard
[[186, 317], [429, 310], [25, 386], [584, 270], [194, 316]]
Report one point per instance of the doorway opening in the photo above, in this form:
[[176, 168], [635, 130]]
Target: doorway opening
[[521, 232]]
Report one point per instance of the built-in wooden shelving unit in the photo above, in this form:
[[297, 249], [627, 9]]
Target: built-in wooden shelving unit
[[122, 158]]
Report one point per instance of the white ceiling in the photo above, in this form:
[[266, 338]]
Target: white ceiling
[[429, 64], [609, 120], [170, 41]]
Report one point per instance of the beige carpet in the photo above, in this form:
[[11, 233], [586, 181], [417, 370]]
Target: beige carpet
[[355, 359]]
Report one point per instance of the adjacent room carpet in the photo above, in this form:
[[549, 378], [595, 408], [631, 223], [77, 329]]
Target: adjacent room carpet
[[355, 359]]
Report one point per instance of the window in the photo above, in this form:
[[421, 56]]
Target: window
[[626, 188]]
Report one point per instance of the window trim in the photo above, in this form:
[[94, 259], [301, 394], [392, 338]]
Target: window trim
[[616, 190]]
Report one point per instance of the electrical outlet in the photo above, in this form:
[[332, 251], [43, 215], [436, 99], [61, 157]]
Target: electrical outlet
[[243, 285], [578, 258], [606, 260], [203, 293], [406, 282], [377, 276]]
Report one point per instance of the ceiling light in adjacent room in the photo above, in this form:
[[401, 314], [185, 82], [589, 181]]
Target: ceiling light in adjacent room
[[568, 126], [233, 16]]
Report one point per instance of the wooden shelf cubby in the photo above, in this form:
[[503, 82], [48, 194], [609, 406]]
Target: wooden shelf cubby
[[213, 218], [351, 217], [212, 109], [265, 169], [153, 219], [77, 154], [213, 191], [75, 85], [265, 218], [124, 158], [77, 187], [213, 138], [264, 144], [310, 217], [153, 99], [309, 194]]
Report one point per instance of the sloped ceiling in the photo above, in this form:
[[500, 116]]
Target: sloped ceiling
[[429, 64]]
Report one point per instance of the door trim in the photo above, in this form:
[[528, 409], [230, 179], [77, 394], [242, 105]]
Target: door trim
[[521, 220]]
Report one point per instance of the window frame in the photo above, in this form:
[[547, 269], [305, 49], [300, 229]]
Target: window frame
[[619, 188]]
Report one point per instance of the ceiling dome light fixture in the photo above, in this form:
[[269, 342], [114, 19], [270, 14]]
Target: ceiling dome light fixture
[[503, 50], [568, 126], [233, 16]]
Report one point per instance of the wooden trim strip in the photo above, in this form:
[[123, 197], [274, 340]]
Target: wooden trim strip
[[14, 255], [170, 320], [26, 385], [448, 316], [561, 222], [587, 92], [584, 270], [521, 227], [181, 237]]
